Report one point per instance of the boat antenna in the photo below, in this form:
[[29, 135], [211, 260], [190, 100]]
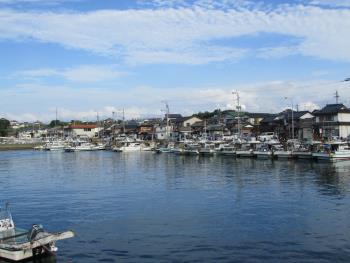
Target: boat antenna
[[167, 118], [238, 112]]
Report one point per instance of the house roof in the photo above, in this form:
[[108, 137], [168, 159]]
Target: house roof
[[198, 124], [269, 118], [82, 126], [333, 109], [258, 115], [174, 116]]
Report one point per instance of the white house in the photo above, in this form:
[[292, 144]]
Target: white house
[[82, 130], [333, 121], [163, 132]]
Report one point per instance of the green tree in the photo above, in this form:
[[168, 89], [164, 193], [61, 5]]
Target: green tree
[[54, 123], [4, 127]]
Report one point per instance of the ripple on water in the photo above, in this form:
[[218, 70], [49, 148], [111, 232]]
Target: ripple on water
[[164, 208]]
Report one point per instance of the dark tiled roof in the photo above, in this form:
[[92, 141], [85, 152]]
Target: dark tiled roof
[[258, 115], [174, 116], [333, 109], [269, 118]]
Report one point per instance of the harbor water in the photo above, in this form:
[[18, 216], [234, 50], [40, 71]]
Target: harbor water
[[146, 207]]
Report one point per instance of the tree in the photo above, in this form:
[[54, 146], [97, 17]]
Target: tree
[[55, 123], [4, 127]]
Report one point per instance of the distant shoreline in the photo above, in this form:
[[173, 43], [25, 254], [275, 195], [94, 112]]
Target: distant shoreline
[[10, 147]]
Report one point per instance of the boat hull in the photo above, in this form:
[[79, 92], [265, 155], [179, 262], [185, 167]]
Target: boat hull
[[263, 155], [245, 153], [332, 157], [17, 251]]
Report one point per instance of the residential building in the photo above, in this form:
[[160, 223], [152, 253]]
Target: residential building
[[333, 120], [82, 130]]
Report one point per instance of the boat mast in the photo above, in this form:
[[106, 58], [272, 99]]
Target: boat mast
[[123, 121], [167, 119], [291, 100], [238, 113]]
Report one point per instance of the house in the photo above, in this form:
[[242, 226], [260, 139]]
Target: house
[[146, 131], [82, 130], [189, 121], [164, 132], [255, 118], [333, 120], [303, 125]]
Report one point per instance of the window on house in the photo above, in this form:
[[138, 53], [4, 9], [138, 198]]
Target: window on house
[[329, 118], [87, 130]]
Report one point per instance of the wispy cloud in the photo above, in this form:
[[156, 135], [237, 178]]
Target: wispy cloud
[[337, 3], [185, 35], [84, 73]]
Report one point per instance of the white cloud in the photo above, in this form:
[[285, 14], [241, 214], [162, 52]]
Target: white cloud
[[143, 101], [339, 3], [185, 35], [84, 73], [309, 106]]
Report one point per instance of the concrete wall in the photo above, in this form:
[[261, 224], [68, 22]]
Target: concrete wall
[[344, 117], [344, 131]]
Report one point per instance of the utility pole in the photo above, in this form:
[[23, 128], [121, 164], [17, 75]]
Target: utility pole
[[291, 100], [238, 107], [336, 95]]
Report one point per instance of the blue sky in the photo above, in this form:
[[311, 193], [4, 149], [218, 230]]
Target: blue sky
[[88, 56]]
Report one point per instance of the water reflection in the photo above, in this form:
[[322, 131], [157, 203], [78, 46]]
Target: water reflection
[[141, 207]]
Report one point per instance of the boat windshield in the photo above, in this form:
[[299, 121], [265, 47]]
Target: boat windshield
[[5, 213]]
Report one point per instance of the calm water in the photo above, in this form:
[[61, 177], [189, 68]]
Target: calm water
[[143, 207]]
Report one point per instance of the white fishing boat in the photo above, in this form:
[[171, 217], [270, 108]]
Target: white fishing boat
[[191, 149], [54, 146], [128, 147], [302, 152], [17, 244], [333, 151], [99, 147], [207, 149], [165, 148], [81, 146], [246, 150], [280, 152], [263, 151], [226, 149], [39, 148]]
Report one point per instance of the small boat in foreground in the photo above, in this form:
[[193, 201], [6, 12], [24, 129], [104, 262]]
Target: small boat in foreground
[[17, 244]]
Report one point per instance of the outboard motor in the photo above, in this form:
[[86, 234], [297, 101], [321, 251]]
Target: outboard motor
[[35, 232]]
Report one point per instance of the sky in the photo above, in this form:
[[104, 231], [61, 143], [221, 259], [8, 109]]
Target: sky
[[89, 57]]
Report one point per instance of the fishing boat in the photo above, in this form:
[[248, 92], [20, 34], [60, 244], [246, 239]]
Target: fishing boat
[[333, 151], [280, 152], [246, 150], [18, 244], [226, 149], [207, 149], [263, 151], [128, 147], [54, 146], [191, 149], [302, 152], [81, 146]]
